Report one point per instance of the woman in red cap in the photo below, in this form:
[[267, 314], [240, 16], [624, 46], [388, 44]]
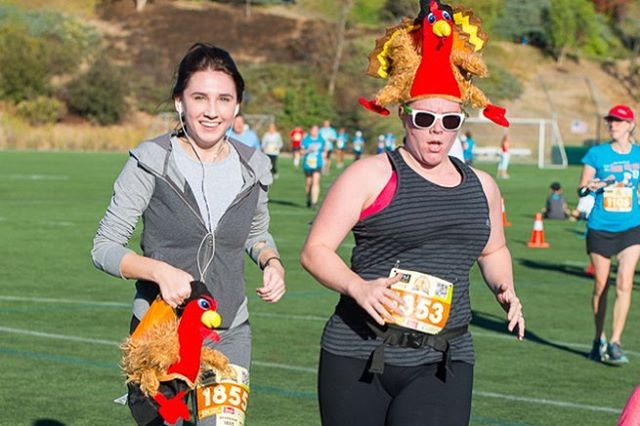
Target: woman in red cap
[[397, 350], [610, 174]]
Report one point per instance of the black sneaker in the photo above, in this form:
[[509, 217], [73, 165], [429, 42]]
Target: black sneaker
[[599, 351]]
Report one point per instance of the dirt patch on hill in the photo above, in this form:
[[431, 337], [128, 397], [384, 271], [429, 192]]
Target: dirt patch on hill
[[153, 41]]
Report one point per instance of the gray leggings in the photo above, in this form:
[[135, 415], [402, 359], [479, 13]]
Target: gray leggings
[[235, 343]]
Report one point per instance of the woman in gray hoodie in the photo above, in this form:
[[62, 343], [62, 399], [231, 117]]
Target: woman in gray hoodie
[[203, 200]]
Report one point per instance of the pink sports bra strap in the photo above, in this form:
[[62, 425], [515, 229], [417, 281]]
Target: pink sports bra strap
[[384, 198]]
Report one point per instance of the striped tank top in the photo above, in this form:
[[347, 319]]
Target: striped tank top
[[428, 228]]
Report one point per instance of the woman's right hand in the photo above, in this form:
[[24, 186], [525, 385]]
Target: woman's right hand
[[174, 283], [377, 298], [596, 184]]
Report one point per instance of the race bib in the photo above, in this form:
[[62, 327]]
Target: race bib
[[618, 199], [226, 399], [427, 299], [311, 161]]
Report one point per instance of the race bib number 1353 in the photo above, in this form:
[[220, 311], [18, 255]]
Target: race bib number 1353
[[427, 299]]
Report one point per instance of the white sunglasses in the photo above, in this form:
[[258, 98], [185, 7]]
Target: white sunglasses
[[450, 121]]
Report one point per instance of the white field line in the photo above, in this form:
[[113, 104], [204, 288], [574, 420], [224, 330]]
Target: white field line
[[57, 223], [279, 316], [57, 336], [562, 404], [65, 301], [543, 401], [35, 177]]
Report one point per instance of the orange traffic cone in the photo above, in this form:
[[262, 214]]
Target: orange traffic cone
[[505, 221], [591, 270], [537, 235]]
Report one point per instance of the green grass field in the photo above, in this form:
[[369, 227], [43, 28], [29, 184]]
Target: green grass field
[[61, 320]]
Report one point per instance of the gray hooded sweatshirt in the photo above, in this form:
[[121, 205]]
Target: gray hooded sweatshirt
[[151, 186]]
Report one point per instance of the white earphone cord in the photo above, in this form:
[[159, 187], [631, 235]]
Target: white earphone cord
[[201, 270]]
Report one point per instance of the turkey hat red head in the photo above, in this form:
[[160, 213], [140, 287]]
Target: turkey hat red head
[[434, 55]]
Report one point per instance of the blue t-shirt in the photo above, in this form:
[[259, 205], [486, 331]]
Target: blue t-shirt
[[616, 207], [329, 135], [468, 151], [358, 144], [248, 137], [390, 142], [341, 140], [313, 149]]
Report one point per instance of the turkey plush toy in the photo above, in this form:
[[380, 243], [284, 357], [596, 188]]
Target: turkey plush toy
[[434, 55], [164, 358]]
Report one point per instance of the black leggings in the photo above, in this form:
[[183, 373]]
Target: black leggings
[[402, 396], [274, 163]]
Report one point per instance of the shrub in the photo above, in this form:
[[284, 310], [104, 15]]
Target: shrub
[[23, 74], [500, 85], [396, 9], [67, 40], [99, 94], [150, 95], [36, 45], [42, 110]]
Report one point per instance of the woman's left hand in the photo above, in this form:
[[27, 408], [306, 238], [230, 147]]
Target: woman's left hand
[[273, 287], [512, 306]]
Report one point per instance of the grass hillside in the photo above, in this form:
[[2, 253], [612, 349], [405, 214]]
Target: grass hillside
[[290, 47]]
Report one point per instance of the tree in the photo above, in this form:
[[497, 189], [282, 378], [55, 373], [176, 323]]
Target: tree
[[523, 19], [340, 40], [615, 9], [575, 26], [562, 27]]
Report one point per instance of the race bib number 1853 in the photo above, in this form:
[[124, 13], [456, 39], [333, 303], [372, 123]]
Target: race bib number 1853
[[427, 299]]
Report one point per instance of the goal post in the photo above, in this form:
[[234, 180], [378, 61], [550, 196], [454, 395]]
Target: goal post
[[533, 141]]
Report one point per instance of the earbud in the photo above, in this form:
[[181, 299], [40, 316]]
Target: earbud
[[237, 110]]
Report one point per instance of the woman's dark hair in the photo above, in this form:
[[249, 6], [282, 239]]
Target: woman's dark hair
[[202, 57]]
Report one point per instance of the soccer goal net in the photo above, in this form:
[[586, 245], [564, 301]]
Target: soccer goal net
[[533, 140]]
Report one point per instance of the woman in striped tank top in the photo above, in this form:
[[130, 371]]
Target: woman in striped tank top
[[410, 393], [397, 350]]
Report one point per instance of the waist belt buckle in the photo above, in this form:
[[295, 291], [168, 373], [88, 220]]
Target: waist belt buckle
[[414, 340]]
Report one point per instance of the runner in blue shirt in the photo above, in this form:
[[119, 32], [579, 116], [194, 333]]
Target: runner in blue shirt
[[329, 135], [380, 147], [468, 144], [241, 132], [358, 144], [611, 173], [314, 150], [390, 141], [341, 146]]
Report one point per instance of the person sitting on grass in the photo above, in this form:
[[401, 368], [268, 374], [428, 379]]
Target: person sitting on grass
[[556, 205]]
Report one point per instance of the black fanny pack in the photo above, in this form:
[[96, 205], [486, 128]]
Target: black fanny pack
[[393, 335]]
